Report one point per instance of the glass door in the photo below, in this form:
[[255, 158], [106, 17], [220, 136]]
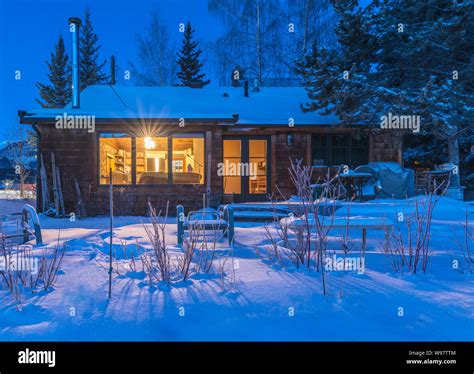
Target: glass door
[[245, 169], [231, 166], [257, 166]]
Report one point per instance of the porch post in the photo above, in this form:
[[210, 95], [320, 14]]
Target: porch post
[[208, 166], [309, 155], [180, 224], [231, 224]]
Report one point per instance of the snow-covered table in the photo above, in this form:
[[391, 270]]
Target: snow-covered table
[[353, 181], [206, 219], [363, 223]]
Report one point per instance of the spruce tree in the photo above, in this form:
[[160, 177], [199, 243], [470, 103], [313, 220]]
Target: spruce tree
[[58, 93], [406, 57], [188, 59], [337, 79], [427, 59], [90, 71]]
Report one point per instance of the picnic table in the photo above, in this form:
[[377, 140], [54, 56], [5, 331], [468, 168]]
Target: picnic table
[[354, 182]]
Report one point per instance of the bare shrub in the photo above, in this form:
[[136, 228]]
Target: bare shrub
[[208, 249], [190, 244], [315, 219], [200, 245], [464, 246], [273, 250], [23, 270], [158, 264], [49, 265], [198, 249], [409, 246], [345, 242], [227, 266]]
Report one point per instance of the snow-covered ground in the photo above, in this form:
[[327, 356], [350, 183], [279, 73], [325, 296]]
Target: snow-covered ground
[[266, 302], [10, 202]]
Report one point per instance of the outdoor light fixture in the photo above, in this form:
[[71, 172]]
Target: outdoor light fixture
[[149, 143]]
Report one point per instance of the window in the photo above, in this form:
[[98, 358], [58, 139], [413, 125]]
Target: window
[[152, 160], [320, 149], [359, 150], [339, 149], [188, 159], [156, 160], [116, 155]]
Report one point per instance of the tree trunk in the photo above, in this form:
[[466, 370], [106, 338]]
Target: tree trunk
[[453, 157], [22, 188], [306, 26], [258, 43]]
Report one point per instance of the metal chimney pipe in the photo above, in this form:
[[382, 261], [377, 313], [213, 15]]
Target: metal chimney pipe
[[112, 70], [74, 25]]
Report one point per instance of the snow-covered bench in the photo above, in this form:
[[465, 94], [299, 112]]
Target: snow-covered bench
[[23, 229], [206, 219], [362, 223]]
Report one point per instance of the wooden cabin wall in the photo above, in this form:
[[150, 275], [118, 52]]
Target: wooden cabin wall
[[73, 155], [76, 153], [385, 146]]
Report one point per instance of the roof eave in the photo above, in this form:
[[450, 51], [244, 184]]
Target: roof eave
[[24, 119]]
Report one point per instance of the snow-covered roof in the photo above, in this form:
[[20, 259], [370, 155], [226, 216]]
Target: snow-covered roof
[[269, 106]]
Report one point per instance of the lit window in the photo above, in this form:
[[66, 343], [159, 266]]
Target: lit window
[[152, 160], [188, 159], [115, 155]]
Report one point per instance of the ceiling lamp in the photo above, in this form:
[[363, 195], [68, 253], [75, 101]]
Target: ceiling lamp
[[149, 143]]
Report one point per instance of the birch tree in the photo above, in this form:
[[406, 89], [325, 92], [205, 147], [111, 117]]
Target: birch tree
[[252, 36], [156, 55]]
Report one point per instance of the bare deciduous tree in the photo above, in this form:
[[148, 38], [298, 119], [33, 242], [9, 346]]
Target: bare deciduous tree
[[21, 151], [156, 55]]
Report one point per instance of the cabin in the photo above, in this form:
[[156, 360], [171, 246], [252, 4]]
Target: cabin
[[176, 144]]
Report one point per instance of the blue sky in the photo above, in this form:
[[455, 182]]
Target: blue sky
[[30, 28]]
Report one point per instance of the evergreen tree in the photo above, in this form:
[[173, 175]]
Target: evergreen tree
[[58, 93], [336, 79], [188, 59], [407, 57], [90, 71], [427, 59]]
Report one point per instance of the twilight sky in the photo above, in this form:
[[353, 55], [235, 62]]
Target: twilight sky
[[30, 28]]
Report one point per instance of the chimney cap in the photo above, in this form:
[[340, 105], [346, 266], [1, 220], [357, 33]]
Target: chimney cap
[[75, 20]]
